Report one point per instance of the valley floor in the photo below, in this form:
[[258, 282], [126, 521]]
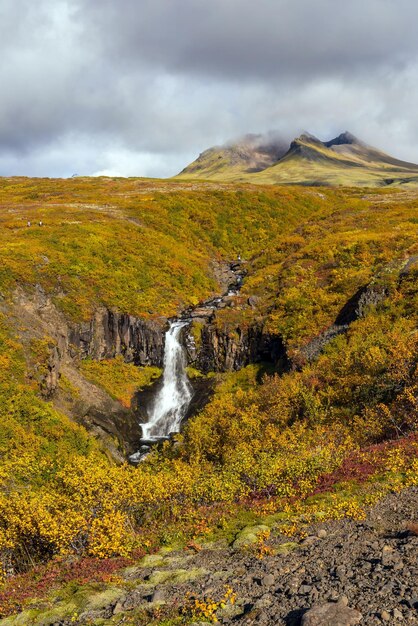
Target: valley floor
[[364, 572]]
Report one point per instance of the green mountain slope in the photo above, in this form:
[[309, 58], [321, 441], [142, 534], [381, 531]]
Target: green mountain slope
[[344, 160]]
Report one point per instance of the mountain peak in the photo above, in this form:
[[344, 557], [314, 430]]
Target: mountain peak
[[343, 139], [307, 137], [299, 143]]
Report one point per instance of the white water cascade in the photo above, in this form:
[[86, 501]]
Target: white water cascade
[[173, 399]]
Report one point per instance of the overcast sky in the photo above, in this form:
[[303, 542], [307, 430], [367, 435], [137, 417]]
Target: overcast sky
[[140, 87]]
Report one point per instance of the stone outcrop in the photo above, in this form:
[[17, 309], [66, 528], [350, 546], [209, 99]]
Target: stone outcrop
[[110, 333], [358, 305], [49, 381], [355, 308], [370, 295], [222, 350], [107, 335], [213, 347]]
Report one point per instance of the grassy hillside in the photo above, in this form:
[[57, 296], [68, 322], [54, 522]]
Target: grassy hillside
[[143, 247], [323, 439]]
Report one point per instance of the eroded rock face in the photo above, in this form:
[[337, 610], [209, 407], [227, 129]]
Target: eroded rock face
[[106, 335], [110, 333], [213, 347], [223, 350], [49, 381], [357, 307]]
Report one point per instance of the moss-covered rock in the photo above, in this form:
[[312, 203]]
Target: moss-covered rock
[[160, 577], [43, 617], [151, 560], [71, 604], [103, 599], [285, 548], [249, 536]]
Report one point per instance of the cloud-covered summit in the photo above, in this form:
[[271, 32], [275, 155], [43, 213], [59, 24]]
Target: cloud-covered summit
[[142, 88]]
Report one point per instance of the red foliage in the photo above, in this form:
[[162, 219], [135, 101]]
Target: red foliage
[[42, 579], [359, 466]]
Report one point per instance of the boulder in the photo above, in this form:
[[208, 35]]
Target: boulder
[[253, 301], [331, 614]]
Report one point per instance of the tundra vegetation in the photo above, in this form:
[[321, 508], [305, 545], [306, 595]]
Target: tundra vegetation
[[321, 440]]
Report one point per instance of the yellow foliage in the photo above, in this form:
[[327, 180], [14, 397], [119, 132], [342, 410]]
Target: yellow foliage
[[120, 379], [198, 609], [109, 535]]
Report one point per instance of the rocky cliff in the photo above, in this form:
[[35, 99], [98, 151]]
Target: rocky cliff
[[212, 348], [110, 333], [106, 335]]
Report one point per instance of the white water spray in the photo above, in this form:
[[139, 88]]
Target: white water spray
[[173, 399]]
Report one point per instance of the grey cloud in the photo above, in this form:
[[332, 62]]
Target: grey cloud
[[143, 86], [243, 39]]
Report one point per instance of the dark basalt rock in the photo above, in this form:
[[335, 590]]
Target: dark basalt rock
[[110, 333], [224, 350], [203, 389], [122, 425], [407, 268], [357, 305], [313, 349]]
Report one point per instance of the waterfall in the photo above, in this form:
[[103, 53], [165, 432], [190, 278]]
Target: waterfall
[[173, 399]]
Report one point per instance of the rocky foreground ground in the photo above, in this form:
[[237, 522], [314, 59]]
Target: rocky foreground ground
[[345, 572]]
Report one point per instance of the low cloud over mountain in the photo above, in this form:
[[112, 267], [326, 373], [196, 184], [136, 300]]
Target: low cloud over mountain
[[91, 86], [344, 160]]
